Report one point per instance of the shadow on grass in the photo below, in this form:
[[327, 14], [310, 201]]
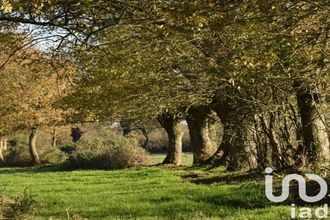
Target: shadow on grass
[[312, 189], [246, 195], [40, 169], [228, 178], [252, 187]]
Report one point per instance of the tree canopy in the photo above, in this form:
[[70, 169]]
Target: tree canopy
[[260, 64]]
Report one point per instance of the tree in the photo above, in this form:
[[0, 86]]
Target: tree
[[261, 65], [297, 39], [30, 86]]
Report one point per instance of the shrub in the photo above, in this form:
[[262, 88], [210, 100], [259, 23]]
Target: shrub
[[53, 156], [21, 207], [17, 153], [112, 152]]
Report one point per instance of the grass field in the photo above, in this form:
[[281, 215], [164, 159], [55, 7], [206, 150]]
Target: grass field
[[187, 158], [141, 193]]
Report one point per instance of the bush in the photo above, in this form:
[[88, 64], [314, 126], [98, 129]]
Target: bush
[[17, 153], [21, 207], [113, 152], [52, 156]]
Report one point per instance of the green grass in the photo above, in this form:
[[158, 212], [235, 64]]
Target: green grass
[[187, 158], [143, 193]]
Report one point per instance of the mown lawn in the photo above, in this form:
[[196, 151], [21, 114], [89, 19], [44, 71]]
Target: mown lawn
[[143, 193]]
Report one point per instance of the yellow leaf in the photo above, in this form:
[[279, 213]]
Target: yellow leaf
[[7, 7]]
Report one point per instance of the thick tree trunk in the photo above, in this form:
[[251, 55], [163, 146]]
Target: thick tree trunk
[[236, 150], [231, 153], [220, 157], [239, 156], [32, 146], [175, 133], [198, 123], [314, 130]]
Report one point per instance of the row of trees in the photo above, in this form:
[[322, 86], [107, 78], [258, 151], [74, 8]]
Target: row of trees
[[261, 66]]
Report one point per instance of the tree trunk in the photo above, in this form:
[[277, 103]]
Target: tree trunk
[[264, 151], [240, 147], [236, 150], [175, 133], [250, 146], [2, 148], [76, 134], [198, 124], [220, 157], [146, 136], [126, 127], [32, 146], [229, 149], [267, 124], [314, 130], [54, 138]]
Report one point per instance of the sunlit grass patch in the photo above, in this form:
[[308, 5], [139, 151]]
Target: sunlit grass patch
[[141, 193]]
